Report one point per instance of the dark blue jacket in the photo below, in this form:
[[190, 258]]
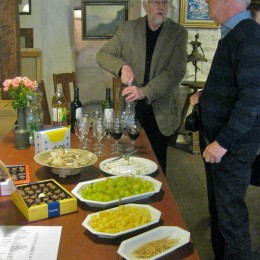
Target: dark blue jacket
[[230, 103]]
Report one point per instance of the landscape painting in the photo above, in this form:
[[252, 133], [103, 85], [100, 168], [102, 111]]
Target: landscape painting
[[102, 19]]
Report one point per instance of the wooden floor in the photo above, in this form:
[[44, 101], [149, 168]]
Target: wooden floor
[[185, 173]]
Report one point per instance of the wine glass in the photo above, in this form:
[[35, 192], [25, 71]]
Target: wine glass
[[86, 118], [99, 129], [95, 114], [108, 117], [116, 131], [81, 130], [133, 131], [122, 116]]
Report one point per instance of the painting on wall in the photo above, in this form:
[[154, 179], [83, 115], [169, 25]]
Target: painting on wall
[[194, 13], [25, 7], [102, 18], [26, 37]]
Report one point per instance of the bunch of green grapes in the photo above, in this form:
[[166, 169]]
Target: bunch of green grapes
[[120, 219], [116, 188]]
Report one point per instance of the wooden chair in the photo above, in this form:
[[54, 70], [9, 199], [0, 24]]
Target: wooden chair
[[45, 106], [65, 79], [116, 89]]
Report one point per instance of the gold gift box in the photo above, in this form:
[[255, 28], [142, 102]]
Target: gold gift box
[[46, 209]]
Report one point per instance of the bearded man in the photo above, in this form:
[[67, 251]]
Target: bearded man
[[150, 55]]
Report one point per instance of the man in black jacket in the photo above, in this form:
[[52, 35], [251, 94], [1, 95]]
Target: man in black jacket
[[230, 121]]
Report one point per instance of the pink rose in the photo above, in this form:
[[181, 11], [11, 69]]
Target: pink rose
[[16, 82], [6, 84]]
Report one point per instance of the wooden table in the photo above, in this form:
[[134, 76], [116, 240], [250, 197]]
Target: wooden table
[[77, 242]]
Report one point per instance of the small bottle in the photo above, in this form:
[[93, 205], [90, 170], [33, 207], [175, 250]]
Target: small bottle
[[108, 110], [129, 110], [76, 109], [59, 108], [32, 116]]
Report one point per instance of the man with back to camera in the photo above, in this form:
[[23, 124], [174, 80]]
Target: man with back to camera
[[150, 53], [230, 126]]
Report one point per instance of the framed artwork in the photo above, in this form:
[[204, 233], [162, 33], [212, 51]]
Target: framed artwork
[[102, 18], [25, 7], [194, 13], [26, 37]]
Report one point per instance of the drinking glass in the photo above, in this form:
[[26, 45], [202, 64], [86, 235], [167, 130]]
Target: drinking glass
[[116, 130], [108, 122], [99, 129], [122, 116], [81, 130], [86, 118], [94, 115], [133, 131]]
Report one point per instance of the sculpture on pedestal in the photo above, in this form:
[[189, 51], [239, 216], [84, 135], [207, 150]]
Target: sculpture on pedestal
[[195, 55]]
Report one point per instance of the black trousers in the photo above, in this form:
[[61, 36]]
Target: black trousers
[[227, 183], [159, 142]]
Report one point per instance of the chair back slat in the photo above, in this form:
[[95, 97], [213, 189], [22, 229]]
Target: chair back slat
[[45, 106], [65, 79]]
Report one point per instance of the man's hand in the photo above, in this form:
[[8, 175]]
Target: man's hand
[[214, 152], [194, 99], [132, 93], [127, 75]]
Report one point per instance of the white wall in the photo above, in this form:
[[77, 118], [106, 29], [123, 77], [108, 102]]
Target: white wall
[[52, 22]]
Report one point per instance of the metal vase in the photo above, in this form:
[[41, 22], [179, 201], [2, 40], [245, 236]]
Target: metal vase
[[21, 132]]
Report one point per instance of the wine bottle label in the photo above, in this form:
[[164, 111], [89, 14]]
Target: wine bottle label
[[109, 112], [78, 113], [59, 114]]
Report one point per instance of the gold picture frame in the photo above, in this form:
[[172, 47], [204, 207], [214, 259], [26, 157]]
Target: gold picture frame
[[194, 14]]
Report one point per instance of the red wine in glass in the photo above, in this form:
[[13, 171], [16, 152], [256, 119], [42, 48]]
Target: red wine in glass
[[133, 131], [117, 134], [133, 135]]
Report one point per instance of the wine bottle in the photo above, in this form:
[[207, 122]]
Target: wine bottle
[[76, 109], [108, 107], [59, 108]]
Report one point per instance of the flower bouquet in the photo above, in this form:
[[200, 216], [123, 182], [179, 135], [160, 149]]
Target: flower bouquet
[[20, 89]]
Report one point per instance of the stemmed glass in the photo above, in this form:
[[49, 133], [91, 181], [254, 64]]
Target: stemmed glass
[[122, 116], [116, 130], [99, 129], [108, 122], [86, 118], [133, 131], [94, 115], [81, 130]]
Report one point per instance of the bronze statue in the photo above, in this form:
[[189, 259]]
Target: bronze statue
[[195, 56]]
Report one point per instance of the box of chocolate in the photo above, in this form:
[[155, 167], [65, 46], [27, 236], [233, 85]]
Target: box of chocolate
[[44, 199], [6, 183], [19, 174], [51, 138]]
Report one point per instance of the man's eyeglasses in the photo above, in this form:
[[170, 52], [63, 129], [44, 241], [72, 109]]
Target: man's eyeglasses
[[156, 2]]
